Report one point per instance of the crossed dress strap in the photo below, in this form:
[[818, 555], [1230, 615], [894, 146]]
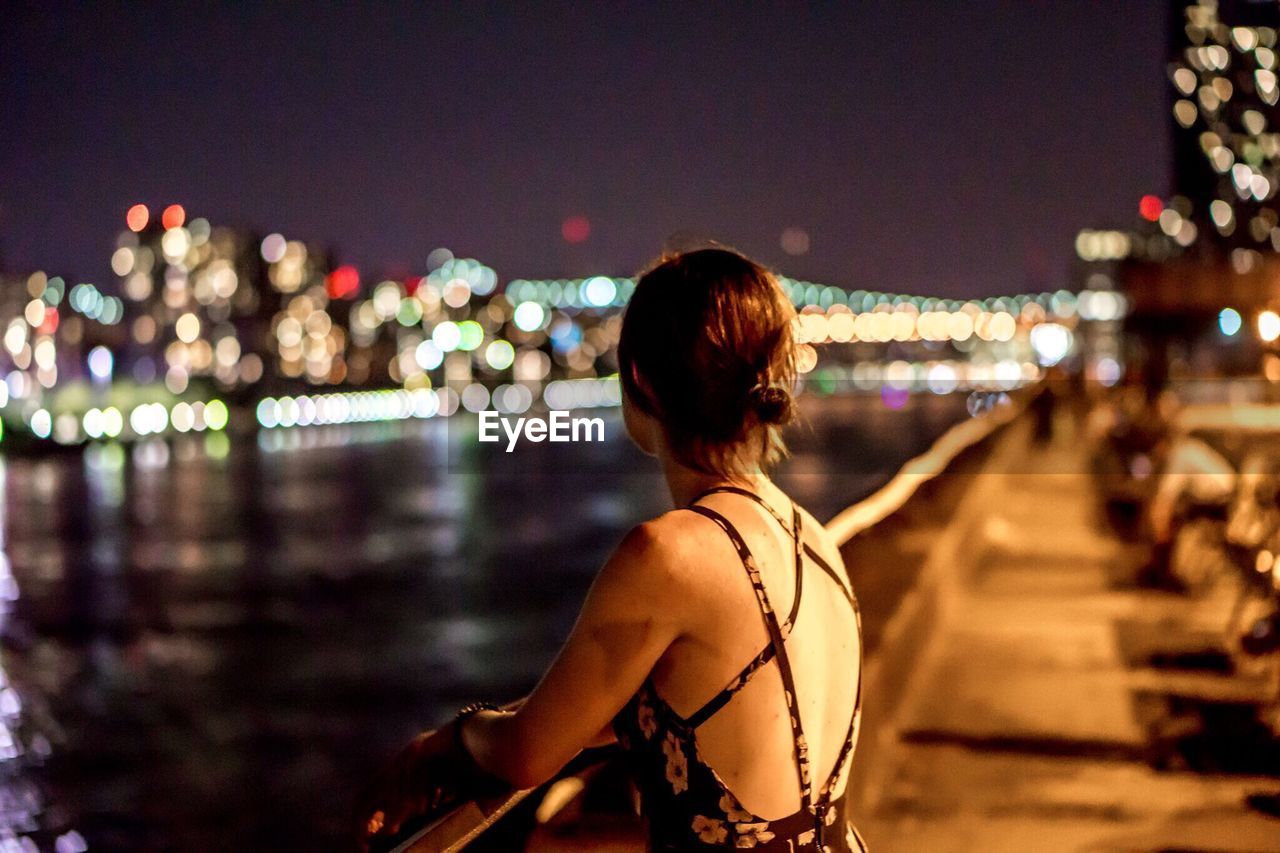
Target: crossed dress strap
[[776, 648], [845, 587], [784, 663], [851, 736], [715, 703], [796, 534]]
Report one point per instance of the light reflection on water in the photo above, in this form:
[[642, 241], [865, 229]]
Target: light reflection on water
[[215, 644], [28, 821]]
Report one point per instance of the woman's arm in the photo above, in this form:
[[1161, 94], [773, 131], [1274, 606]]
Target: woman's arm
[[635, 609], [603, 738]]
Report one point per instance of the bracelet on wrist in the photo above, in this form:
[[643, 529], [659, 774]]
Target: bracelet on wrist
[[464, 712]]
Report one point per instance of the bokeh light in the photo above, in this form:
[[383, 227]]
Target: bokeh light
[[575, 229], [137, 217], [1269, 326], [174, 216], [1229, 321]]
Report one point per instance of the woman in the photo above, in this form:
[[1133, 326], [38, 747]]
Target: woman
[[734, 696]]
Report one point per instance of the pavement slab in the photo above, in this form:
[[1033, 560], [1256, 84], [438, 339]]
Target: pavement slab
[[1028, 723], [946, 798]]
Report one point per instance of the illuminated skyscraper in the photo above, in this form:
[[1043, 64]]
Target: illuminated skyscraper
[[192, 294], [1220, 222], [1225, 125], [224, 306]]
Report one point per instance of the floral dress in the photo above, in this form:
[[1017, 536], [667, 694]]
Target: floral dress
[[686, 804]]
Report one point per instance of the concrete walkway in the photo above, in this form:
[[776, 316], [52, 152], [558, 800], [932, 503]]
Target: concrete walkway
[[1024, 721]]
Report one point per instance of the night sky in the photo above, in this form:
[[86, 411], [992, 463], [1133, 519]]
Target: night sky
[[926, 147]]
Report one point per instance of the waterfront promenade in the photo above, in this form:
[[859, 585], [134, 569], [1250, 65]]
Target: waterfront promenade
[[1017, 703]]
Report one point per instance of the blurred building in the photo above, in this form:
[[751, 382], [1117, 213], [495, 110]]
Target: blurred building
[[221, 305], [1198, 270], [47, 334], [1224, 122], [1223, 99]]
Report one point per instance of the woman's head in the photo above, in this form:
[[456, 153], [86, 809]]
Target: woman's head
[[706, 351]]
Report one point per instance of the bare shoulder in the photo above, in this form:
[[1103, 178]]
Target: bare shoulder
[[660, 554]]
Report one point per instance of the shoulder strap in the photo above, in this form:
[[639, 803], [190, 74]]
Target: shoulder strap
[[746, 493], [808, 549], [715, 703], [793, 529], [798, 535], [851, 737], [775, 636], [821, 563], [802, 548]]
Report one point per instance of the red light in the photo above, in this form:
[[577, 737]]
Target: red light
[[173, 216], [137, 217], [50, 324], [343, 282], [1150, 207], [576, 229], [412, 283]]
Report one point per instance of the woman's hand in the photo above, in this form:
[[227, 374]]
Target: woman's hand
[[401, 790], [429, 775]]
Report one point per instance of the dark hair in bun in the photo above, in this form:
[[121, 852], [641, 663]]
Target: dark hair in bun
[[773, 405], [706, 347]]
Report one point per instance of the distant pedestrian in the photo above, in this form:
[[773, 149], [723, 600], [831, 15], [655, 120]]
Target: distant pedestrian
[[1042, 410]]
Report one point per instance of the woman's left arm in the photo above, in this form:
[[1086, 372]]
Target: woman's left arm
[[635, 609]]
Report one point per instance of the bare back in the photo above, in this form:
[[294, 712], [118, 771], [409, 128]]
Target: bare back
[[749, 741]]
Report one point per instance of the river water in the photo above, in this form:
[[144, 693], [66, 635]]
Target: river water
[[210, 643]]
